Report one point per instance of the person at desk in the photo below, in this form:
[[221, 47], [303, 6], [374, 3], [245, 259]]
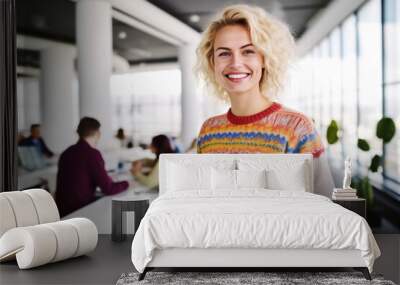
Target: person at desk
[[35, 139], [81, 169], [159, 144], [121, 138]]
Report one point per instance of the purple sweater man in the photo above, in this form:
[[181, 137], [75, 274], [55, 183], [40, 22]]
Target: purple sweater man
[[81, 170]]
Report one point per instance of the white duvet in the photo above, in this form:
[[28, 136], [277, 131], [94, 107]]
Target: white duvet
[[253, 218]]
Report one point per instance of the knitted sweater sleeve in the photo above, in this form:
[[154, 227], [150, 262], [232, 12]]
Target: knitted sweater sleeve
[[308, 139], [201, 136]]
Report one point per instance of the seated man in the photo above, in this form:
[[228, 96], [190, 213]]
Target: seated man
[[81, 169], [36, 140]]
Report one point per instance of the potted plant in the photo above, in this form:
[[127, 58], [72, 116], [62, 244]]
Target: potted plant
[[385, 131]]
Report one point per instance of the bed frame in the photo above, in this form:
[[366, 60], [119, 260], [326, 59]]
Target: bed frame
[[240, 259], [245, 259]]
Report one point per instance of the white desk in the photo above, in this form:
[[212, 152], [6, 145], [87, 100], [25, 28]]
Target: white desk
[[100, 210], [126, 155]]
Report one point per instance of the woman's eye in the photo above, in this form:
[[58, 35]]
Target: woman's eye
[[225, 53], [249, 51]]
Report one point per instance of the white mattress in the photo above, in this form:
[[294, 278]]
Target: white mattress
[[252, 218]]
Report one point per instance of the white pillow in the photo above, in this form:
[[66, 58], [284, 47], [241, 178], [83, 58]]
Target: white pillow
[[280, 174], [291, 179], [230, 180], [188, 177], [251, 178], [223, 179]]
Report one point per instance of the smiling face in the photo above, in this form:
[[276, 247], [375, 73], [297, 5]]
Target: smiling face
[[237, 63]]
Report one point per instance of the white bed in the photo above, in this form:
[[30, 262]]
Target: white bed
[[247, 211]]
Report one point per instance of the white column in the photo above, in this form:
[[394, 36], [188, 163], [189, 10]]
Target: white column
[[20, 105], [94, 46], [31, 101], [59, 112], [191, 107]]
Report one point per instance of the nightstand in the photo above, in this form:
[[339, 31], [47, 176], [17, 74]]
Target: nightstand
[[357, 205]]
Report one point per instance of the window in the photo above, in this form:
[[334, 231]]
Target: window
[[392, 84], [349, 87], [392, 41], [307, 85], [370, 77], [336, 76], [335, 101], [355, 80], [317, 87], [326, 77], [145, 110]]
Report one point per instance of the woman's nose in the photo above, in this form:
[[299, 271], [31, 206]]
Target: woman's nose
[[236, 59]]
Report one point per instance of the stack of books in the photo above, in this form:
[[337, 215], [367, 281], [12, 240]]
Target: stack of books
[[344, 194]]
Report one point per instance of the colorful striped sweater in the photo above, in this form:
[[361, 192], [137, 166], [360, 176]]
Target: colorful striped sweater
[[277, 129]]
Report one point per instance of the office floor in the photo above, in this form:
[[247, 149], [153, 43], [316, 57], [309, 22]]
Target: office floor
[[110, 260], [103, 266]]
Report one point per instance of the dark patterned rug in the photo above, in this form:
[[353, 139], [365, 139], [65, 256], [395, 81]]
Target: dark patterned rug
[[229, 278]]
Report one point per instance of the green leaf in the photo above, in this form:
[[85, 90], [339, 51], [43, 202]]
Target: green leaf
[[354, 182], [375, 163], [369, 192], [332, 132], [365, 190], [363, 145], [358, 186], [386, 129]]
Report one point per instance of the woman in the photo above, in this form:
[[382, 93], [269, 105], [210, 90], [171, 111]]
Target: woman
[[121, 137], [243, 57], [159, 144]]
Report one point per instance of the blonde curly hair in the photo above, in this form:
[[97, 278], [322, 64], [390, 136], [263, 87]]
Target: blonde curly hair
[[269, 36]]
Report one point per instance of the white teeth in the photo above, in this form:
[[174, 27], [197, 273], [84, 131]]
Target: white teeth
[[238, 75]]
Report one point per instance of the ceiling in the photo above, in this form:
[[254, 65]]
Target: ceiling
[[55, 20], [295, 13], [140, 47]]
